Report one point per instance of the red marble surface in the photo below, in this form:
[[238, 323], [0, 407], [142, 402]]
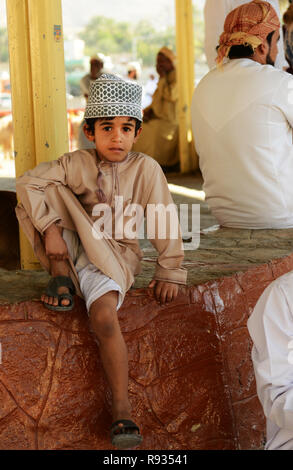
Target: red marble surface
[[191, 378]]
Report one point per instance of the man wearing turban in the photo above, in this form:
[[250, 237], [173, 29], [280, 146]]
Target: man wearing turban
[[159, 137], [215, 12], [96, 70], [242, 118], [242, 113]]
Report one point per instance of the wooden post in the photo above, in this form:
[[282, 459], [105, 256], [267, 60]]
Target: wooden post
[[22, 104], [48, 79], [185, 80], [37, 75]]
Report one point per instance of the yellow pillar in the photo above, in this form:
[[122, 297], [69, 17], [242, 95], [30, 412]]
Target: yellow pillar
[[22, 103], [185, 79], [37, 75], [48, 78]]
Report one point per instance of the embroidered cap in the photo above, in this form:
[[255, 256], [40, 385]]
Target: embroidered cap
[[111, 96]]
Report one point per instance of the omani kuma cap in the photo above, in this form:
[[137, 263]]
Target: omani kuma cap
[[111, 96]]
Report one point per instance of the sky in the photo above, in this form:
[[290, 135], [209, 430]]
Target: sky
[[75, 16]]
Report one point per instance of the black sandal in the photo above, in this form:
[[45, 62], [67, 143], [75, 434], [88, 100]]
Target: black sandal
[[52, 291], [123, 437]]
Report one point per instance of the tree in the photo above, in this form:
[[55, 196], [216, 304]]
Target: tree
[[111, 37], [149, 41], [107, 36]]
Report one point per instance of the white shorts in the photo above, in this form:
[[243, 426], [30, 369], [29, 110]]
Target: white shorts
[[93, 283]]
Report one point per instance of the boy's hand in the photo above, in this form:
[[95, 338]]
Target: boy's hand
[[164, 291], [55, 245]]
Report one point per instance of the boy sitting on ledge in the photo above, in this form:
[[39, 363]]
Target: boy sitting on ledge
[[60, 204]]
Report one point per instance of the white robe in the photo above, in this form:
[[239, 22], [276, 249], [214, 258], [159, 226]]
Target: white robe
[[242, 119], [271, 329]]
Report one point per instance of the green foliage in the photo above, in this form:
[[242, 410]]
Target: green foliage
[[148, 41], [107, 36], [111, 37], [3, 45]]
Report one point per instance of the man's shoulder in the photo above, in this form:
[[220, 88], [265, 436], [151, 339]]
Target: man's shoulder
[[242, 72], [275, 72], [275, 83]]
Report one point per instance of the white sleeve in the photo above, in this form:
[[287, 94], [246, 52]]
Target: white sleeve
[[271, 329], [214, 18], [283, 97]]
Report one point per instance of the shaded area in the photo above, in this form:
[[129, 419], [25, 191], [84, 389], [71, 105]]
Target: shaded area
[[9, 235]]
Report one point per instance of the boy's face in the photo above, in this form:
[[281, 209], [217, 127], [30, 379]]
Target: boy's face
[[114, 138]]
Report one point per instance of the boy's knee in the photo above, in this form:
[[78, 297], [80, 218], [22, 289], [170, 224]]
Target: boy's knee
[[103, 321]]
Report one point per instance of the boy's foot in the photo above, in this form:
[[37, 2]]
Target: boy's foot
[[125, 434], [59, 294]]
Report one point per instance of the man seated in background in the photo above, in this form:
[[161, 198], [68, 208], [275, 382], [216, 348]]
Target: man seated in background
[[96, 70], [159, 137], [133, 70], [242, 122]]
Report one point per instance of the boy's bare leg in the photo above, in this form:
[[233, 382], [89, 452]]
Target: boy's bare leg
[[104, 323], [56, 250]]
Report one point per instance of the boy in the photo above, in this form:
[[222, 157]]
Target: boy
[[60, 200]]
